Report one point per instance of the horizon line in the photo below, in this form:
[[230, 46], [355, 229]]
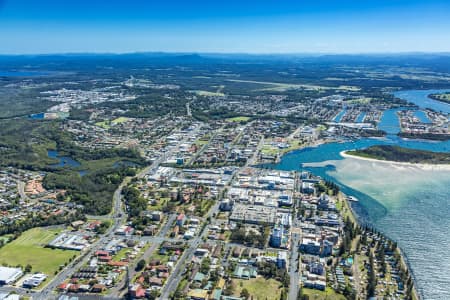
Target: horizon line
[[306, 53]]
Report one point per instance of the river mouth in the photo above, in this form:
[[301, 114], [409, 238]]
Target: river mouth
[[417, 206], [410, 205]]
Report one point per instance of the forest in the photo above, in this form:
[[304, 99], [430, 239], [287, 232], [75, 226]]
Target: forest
[[400, 154], [24, 144]]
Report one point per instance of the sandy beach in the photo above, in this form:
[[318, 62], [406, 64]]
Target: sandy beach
[[442, 167]]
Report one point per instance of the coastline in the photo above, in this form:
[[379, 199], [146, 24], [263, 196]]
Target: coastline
[[403, 258], [443, 167]]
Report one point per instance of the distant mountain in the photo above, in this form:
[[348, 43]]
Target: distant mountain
[[73, 61]]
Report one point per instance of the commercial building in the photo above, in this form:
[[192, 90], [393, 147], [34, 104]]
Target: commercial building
[[282, 259], [261, 215], [279, 237], [9, 275], [69, 241], [34, 281], [226, 205]]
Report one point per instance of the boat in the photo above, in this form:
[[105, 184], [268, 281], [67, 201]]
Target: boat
[[353, 199]]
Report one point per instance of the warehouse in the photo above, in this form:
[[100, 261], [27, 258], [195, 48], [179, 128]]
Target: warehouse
[[9, 275]]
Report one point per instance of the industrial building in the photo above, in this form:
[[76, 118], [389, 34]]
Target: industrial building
[[9, 275]]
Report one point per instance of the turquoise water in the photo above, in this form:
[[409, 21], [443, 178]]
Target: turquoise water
[[409, 204]]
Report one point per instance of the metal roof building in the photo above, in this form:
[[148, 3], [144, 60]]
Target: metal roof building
[[9, 275]]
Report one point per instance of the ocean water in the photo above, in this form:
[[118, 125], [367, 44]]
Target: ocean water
[[416, 206], [410, 205], [22, 73]]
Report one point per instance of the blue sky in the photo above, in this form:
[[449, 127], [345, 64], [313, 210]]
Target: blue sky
[[264, 26]]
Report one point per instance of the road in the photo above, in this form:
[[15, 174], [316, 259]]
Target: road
[[294, 267], [175, 277], [188, 109], [155, 242], [204, 147], [294, 259], [118, 216], [21, 190], [254, 159]]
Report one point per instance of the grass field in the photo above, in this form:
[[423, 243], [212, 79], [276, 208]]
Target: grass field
[[103, 124], [122, 254], [269, 149], [163, 258], [209, 94], [238, 119], [161, 203], [259, 288], [99, 164], [329, 293], [282, 87], [201, 142], [29, 249], [107, 124], [119, 120]]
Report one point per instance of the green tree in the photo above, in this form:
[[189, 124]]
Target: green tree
[[140, 265], [245, 294], [28, 268]]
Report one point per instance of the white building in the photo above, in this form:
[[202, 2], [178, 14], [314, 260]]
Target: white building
[[35, 280], [9, 275]]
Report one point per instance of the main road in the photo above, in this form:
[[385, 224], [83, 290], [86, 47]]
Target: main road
[[175, 277]]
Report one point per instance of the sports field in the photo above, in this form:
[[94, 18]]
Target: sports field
[[238, 119], [29, 248], [119, 120]]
